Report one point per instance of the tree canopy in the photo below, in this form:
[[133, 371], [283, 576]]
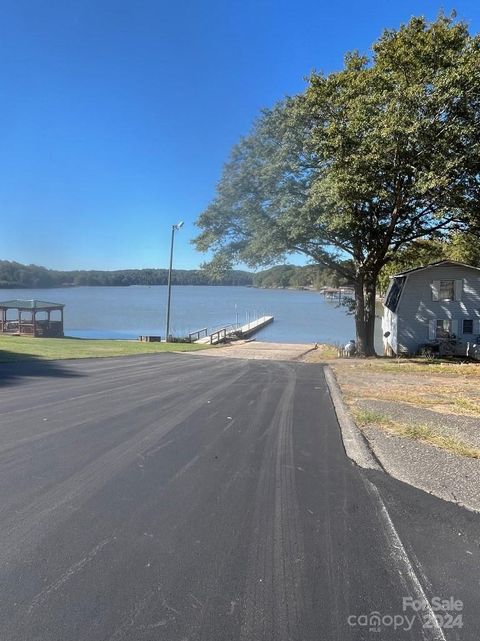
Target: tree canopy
[[363, 163], [293, 276], [459, 246]]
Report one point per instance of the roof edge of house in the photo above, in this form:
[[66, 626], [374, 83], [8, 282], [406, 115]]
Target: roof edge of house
[[436, 264]]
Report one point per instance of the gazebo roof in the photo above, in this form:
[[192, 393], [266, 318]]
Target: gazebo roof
[[30, 304]]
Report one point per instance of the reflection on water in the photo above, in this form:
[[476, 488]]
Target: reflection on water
[[127, 312]]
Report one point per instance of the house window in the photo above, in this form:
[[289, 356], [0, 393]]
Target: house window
[[394, 293], [447, 290], [468, 326], [443, 329]]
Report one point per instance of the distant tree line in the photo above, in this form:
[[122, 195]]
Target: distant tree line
[[462, 247], [292, 276], [14, 275]]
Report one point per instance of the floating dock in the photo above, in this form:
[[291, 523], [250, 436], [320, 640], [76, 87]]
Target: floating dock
[[250, 328], [243, 331]]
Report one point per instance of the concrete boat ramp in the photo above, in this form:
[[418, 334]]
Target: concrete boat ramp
[[257, 350], [243, 331]]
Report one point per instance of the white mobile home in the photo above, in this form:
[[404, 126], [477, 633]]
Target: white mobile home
[[435, 306]]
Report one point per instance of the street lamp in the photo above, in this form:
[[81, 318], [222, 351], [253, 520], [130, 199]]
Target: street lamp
[[174, 229]]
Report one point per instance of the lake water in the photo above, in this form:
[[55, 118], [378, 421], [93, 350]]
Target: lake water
[[127, 312]]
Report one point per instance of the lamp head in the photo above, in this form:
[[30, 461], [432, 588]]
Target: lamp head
[[179, 225]]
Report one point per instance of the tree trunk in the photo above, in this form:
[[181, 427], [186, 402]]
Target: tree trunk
[[370, 296], [365, 291]]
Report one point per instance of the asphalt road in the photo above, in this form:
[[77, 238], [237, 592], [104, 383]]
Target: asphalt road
[[184, 498]]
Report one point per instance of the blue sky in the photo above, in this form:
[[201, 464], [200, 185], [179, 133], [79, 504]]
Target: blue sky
[[116, 117]]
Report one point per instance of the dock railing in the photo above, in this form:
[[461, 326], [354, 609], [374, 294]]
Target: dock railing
[[200, 333], [218, 336], [230, 327]]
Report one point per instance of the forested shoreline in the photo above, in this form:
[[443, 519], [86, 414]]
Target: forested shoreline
[[15, 275], [458, 246], [295, 277]]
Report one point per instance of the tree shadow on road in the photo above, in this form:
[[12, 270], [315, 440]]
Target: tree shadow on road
[[15, 367]]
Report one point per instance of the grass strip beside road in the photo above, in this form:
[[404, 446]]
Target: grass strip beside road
[[424, 433], [16, 348], [448, 389]]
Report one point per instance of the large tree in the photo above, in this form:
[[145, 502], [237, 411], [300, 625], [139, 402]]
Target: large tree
[[363, 163]]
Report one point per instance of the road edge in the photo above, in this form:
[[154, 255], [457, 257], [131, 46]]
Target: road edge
[[359, 450], [354, 442]]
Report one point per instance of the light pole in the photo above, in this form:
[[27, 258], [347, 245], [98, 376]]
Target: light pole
[[169, 295]]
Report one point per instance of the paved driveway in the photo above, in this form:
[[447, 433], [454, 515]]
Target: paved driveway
[[181, 498]]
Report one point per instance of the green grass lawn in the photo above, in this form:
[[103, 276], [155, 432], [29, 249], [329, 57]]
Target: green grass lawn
[[15, 348]]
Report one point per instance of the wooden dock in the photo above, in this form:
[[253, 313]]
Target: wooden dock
[[230, 331], [250, 328]]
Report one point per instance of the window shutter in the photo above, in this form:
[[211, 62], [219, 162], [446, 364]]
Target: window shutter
[[432, 330], [435, 289], [455, 328], [476, 326], [458, 289]]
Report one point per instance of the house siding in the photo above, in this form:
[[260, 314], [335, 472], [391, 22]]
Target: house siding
[[417, 308]]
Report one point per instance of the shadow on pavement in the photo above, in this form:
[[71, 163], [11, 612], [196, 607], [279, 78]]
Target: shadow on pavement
[[14, 367]]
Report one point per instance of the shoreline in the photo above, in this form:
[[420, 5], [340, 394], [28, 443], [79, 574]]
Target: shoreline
[[121, 312]]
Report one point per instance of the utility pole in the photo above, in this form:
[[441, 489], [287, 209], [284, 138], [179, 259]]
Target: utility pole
[[169, 294]]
